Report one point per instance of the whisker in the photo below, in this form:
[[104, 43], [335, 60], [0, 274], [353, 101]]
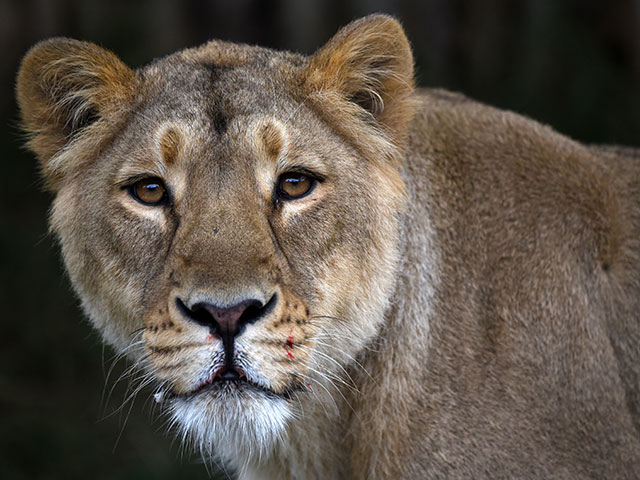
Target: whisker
[[145, 379], [330, 379], [114, 361], [124, 424], [352, 383], [328, 336], [329, 317], [352, 386], [352, 360], [336, 409]]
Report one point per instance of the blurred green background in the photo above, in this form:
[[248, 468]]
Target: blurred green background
[[574, 64]]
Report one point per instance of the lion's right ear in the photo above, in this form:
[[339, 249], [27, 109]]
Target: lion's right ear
[[369, 65], [64, 87]]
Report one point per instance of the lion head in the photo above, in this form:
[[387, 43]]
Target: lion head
[[228, 215]]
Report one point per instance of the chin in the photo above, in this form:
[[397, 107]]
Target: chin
[[231, 421]]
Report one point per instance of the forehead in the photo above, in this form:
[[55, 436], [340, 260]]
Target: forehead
[[213, 88], [199, 113]]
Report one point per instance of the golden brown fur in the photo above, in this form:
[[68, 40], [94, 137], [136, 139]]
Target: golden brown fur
[[457, 297]]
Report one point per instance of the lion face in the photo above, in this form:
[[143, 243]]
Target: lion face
[[235, 237]]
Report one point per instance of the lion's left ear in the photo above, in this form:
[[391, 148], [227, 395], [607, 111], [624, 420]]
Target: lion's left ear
[[370, 65]]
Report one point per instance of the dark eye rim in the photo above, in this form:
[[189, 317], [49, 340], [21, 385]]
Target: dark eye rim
[[131, 188], [281, 195]]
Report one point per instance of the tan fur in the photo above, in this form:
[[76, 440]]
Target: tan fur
[[170, 146], [458, 297]]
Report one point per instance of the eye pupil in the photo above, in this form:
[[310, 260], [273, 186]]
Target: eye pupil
[[149, 191], [295, 185]]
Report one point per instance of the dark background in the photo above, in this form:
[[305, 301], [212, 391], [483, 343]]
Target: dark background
[[574, 64]]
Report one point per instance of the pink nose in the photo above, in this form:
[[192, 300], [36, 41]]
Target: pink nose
[[228, 321]]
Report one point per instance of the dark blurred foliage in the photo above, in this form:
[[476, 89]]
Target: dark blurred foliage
[[574, 64]]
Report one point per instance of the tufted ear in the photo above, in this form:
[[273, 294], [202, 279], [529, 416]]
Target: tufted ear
[[64, 87], [368, 64]]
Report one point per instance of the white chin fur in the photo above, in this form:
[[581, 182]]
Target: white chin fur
[[239, 429]]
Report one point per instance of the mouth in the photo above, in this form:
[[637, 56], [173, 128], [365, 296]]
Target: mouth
[[228, 381]]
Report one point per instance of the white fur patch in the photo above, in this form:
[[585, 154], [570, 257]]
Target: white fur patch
[[240, 428]]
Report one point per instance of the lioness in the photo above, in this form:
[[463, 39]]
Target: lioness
[[328, 274]]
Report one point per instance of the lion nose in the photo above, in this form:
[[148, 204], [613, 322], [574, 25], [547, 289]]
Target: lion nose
[[227, 322], [230, 320]]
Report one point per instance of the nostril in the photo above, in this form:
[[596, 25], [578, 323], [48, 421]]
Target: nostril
[[255, 311], [198, 315], [251, 313]]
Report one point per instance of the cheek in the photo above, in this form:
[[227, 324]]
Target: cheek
[[345, 251], [329, 233], [111, 255], [132, 240], [136, 248]]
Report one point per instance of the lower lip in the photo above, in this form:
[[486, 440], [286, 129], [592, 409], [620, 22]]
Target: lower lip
[[218, 384]]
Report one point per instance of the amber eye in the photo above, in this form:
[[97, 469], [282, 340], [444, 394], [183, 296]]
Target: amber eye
[[149, 191], [295, 185]]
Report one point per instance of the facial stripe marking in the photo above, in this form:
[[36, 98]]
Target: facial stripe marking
[[272, 140], [170, 144]]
